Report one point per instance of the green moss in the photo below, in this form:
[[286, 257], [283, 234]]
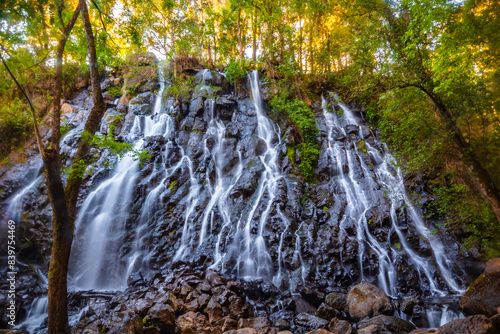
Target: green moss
[[172, 185], [290, 153], [362, 146]]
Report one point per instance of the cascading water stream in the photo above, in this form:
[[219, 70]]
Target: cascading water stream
[[361, 199], [219, 190], [100, 225], [254, 261], [15, 206]]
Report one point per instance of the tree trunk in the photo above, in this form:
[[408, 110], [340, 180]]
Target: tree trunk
[[477, 172], [254, 39], [240, 42], [62, 230], [210, 60], [92, 124], [56, 118], [300, 42], [479, 175]]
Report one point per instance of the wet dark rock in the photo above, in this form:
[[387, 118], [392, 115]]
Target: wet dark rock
[[213, 310], [196, 105], [190, 323], [366, 300], [312, 296], [141, 109], [337, 300], [337, 326], [143, 98], [140, 306], [168, 299], [260, 324], [122, 108], [409, 303], [387, 323], [163, 316], [310, 322], [243, 331], [327, 312], [128, 323], [135, 279]]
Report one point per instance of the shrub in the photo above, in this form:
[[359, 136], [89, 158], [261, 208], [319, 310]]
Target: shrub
[[15, 125], [237, 69]]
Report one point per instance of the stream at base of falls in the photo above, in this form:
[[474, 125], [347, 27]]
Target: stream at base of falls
[[220, 191]]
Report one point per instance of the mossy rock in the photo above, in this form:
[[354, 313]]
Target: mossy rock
[[482, 296]]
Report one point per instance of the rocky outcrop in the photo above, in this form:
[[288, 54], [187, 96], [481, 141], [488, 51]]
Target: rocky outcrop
[[483, 296], [476, 324]]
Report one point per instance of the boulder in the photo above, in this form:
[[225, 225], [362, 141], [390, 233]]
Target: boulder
[[163, 316], [483, 295], [141, 109], [389, 324], [127, 323], [143, 98], [408, 304], [319, 331], [327, 312], [366, 300], [214, 310], [337, 326], [492, 266], [190, 322]]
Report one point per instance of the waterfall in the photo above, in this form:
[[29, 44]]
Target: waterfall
[[254, 260], [358, 185], [15, 202], [36, 316], [214, 145], [97, 261]]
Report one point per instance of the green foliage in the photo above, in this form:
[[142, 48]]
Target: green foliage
[[465, 213], [300, 115], [65, 127], [309, 154], [181, 87], [115, 91], [117, 120], [15, 125], [237, 69]]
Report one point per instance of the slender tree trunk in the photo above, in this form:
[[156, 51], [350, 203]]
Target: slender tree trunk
[[56, 120], [62, 230], [62, 224], [300, 42], [254, 38], [210, 60], [94, 119], [240, 42], [478, 174]]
